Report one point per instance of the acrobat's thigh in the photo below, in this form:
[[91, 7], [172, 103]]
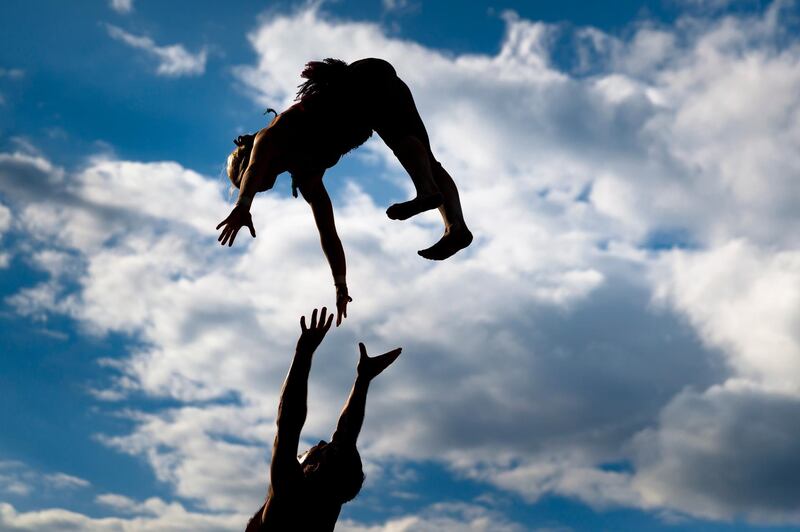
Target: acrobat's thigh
[[388, 103]]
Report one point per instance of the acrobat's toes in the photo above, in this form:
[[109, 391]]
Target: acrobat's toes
[[447, 246], [407, 209]]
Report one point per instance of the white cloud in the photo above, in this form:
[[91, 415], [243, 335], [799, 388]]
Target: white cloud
[[444, 517], [12, 73], [173, 60], [399, 6], [170, 518], [557, 343], [164, 517], [62, 480], [391, 5], [16, 478], [122, 6], [5, 219], [730, 451], [745, 302], [5, 224]]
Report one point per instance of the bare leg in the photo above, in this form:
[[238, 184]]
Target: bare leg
[[456, 234], [404, 132], [413, 155], [352, 416]]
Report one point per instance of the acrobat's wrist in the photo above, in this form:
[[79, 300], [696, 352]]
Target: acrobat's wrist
[[244, 201]]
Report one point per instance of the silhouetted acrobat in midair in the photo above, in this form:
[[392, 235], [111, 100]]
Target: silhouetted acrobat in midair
[[338, 108], [307, 492]]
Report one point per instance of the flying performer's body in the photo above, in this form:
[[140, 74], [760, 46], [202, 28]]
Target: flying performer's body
[[337, 110]]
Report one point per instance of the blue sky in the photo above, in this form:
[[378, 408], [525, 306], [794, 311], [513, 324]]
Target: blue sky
[[618, 350]]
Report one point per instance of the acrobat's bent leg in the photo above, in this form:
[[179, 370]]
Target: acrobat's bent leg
[[413, 155], [398, 123], [456, 234]]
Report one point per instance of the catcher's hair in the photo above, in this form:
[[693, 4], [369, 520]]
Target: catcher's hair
[[340, 477], [319, 75]]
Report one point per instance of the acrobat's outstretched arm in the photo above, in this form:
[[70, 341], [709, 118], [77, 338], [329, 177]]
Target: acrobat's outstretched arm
[[262, 170], [314, 192], [352, 416], [285, 468]]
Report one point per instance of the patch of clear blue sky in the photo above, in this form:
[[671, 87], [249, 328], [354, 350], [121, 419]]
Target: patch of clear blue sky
[[83, 92]]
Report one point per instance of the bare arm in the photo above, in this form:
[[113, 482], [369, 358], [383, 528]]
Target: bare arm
[[317, 197], [262, 170], [352, 417], [265, 162], [285, 469]]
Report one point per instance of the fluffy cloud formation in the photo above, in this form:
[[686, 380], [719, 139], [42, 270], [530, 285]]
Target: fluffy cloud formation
[[18, 479], [565, 339], [122, 6], [5, 224], [452, 517], [170, 517], [12, 73], [173, 60], [730, 451], [164, 517]]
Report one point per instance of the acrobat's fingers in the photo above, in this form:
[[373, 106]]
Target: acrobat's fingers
[[314, 319], [223, 222], [303, 324], [225, 235], [252, 229], [341, 308], [362, 350], [234, 232]]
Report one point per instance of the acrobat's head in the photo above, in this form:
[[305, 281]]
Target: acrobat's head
[[333, 471], [269, 146], [239, 158]]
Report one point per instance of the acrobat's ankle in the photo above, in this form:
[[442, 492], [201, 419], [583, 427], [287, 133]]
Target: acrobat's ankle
[[407, 209]]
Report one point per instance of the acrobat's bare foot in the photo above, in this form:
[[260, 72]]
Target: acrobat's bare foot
[[371, 367], [451, 243], [407, 209]]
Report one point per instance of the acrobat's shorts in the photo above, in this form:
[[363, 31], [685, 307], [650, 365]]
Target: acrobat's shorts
[[385, 101]]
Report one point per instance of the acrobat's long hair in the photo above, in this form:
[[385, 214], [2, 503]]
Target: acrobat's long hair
[[320, 75], [239, 158]]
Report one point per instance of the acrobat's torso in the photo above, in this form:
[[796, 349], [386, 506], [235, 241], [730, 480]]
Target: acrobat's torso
[[322, 127]]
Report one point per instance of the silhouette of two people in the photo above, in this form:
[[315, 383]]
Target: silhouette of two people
[[306, 492], [337, 109]]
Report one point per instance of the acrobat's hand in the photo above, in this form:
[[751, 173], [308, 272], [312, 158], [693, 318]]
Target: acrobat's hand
[[342, 299], [370, 367], [313, 335], [238, 218]]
